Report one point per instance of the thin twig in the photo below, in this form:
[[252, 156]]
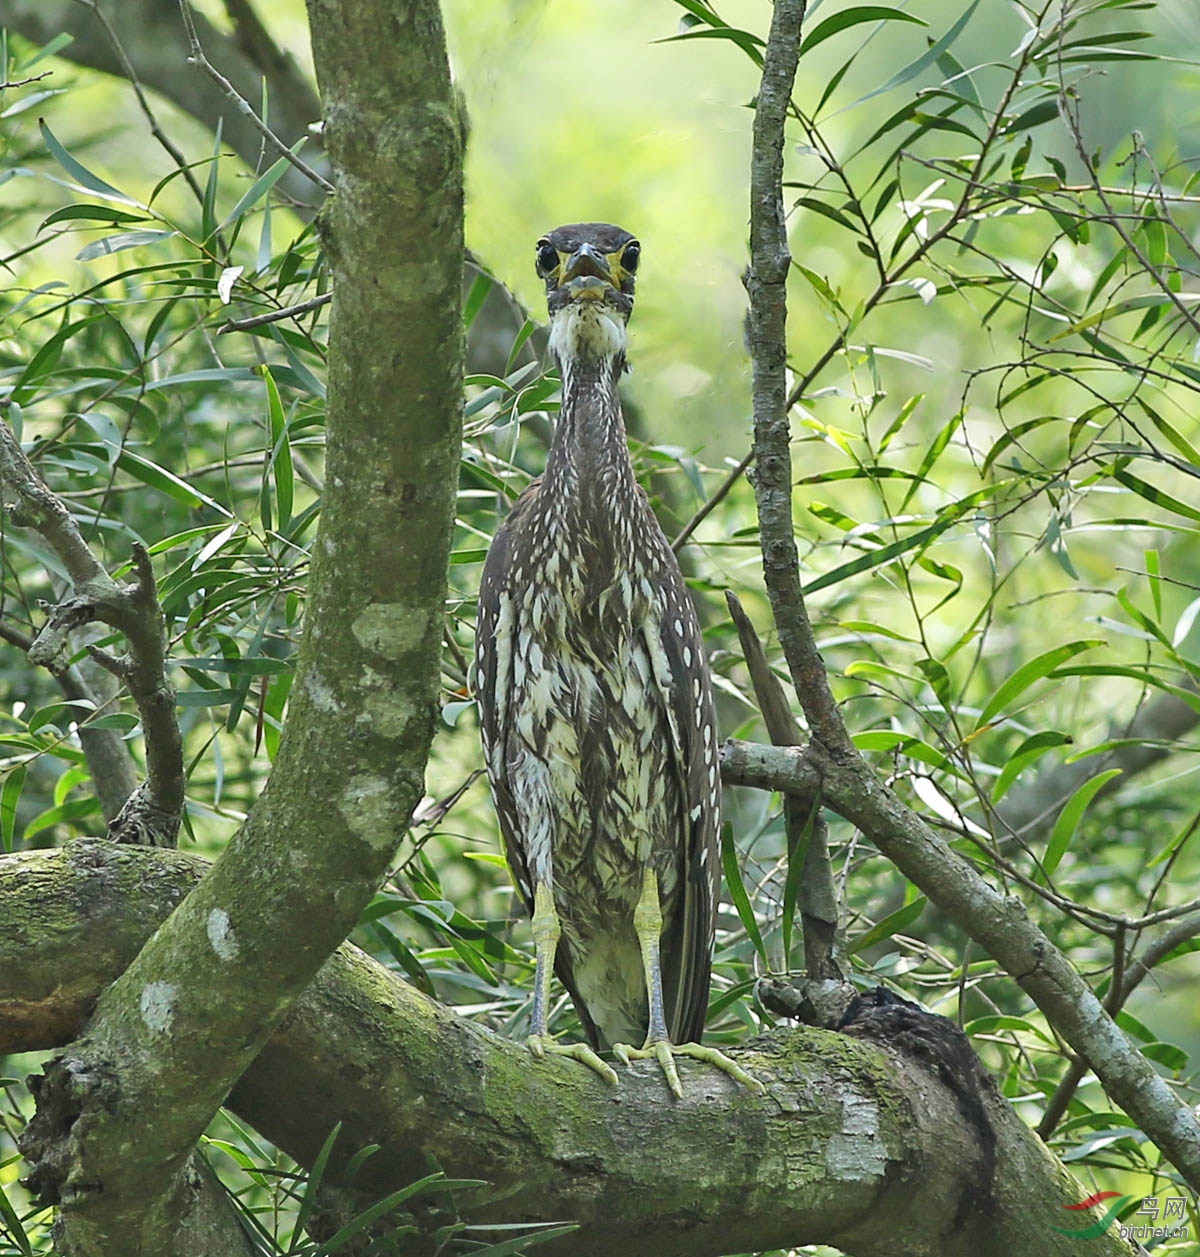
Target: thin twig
[[804, 825], [172, 149], [34, 78], [152, 812], [766, 283], [259, 320], [199, 59]]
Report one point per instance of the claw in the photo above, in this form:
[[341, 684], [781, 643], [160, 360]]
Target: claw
[[541, 1044], [664, 1053]]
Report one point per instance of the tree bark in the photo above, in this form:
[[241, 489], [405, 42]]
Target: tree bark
[[121, 1109], [998, 923], [856, 1144]]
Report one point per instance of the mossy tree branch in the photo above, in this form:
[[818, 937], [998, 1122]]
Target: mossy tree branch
[[187, 1016], [855, 1143], [997, 922]]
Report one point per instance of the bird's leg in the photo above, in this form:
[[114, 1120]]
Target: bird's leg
[[648, 923], [546, 932]]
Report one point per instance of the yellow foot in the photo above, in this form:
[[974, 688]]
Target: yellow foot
[[664, 1053], [541, 1044]]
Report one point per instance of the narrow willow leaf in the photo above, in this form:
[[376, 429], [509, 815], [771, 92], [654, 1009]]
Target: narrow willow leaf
[[107, 245], [990, 1024], [1029, 752], [854, 17], [747, 41], [80, 173], [1153, 494], [259, 188], [1069, 818], [98, 213], [1030, 672], [281, 454], [893, 923], [925, 60], [737, 892], [10, 796], [164, 481], [481, 286]]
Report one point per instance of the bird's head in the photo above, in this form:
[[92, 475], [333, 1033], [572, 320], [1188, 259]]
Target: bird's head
[[589, 271]]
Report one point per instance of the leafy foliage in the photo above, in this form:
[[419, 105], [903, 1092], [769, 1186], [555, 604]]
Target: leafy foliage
[[994, 400]]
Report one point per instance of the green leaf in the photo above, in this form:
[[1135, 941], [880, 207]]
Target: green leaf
[[432, 1182], [1132, 1026], [1153, 494], [52, 713], [1044, 111], [1167, 1054], [402, 954], [67, 813], [1030, 672], [990, 1024], [519, 1243], [854, 17], [936, 449], [12, 1224], [481, 286], [10, 796], [107, 245], [737, 891], [1031, 750], [99, 213], [280, 464], [893, 923], [925, 60], [309, 1200], [747, 41], [80, 173], [56, 45], [259, 188], [1069, 818], [165, 481]]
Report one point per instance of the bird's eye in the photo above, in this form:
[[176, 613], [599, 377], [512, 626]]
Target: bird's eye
[[629, 259], [547, 258]]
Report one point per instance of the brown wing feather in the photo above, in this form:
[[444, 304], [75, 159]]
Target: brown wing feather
[[687, 947], [493, 688]]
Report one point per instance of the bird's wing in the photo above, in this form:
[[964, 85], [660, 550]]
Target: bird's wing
[[684, 682], [494, 685]]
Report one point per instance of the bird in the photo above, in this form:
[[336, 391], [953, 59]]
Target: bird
[[595, 705]]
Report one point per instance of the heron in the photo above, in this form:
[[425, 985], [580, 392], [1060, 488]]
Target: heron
[[596, 708]]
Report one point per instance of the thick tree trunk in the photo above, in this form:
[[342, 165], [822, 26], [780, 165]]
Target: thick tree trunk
[[121, 1109], [857, 1144]]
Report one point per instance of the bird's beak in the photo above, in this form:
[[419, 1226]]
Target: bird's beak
[[587, 275]]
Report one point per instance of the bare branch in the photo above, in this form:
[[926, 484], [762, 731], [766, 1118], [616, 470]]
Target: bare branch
[[153, 39], [805, 826], [766, 283], [274, 316], [127, 67], [110, 764], [198, 58], [134, 611]]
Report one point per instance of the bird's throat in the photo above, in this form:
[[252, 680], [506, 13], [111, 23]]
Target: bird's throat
[[589, 446]]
